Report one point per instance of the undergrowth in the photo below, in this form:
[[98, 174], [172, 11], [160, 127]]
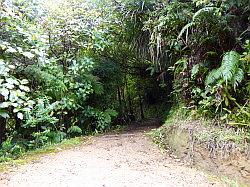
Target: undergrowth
[[36, 154]]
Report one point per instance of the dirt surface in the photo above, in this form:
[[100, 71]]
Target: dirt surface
[[222, 158], [127, 159]]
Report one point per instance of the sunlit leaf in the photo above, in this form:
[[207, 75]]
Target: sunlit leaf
[[24, 88], [4, 114], [24, 81], [4, 92], [11, 50], [20, 115], [5, 104], [28, 55]]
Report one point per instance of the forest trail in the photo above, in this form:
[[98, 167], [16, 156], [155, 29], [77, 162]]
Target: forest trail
[[129, 159]]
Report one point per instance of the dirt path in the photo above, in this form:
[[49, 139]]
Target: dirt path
[[128, 159]]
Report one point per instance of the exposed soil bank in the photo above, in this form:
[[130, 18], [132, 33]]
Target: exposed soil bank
[[192, 142], [127, 159]]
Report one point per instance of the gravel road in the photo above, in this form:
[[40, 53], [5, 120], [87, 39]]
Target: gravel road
[[121, 160]]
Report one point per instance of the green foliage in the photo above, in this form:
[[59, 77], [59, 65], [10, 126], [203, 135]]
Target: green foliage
[[102, 119], [9, 150], [42, 115], [48, 73], [74, 130], [240, 117], [229, 71], [13, 92], [47, 79], [187, 41], [46, 137], [221, 84], [69, 74]]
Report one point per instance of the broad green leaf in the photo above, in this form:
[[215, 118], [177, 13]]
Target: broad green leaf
[[20, 115], [20, 50], [31, 102], [24, 81], [9, 86], [11, 66], [12, 81], [26, 109], [11, 50], [4, 114], [28, 55], [3, 46], [24, 88], [20, 93], [20, 101], [14, 104], [5, 104], [4, 70], [16, 110], [4, 92], [13, 96], [195, 70]]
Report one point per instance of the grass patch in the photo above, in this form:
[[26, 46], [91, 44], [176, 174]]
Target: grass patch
[[224, 180], [232, 182], [221, 136], [36, 154]]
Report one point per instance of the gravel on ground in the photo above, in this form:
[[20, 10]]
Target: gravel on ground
[[129, 159]]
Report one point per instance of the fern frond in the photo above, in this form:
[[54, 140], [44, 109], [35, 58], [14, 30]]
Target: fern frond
[[229, 65], [195, 70], [238, 77], [213, 76], [229, 71], [74, 129]]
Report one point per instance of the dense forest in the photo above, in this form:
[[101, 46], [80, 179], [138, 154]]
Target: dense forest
[[78, 67]]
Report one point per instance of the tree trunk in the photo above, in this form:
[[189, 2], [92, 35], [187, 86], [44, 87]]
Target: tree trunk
[[141, 106], [2, 129], [124, 100], [18, 124]]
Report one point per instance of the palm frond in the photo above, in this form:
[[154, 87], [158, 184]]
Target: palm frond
[[186, 27], [204, 10]]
